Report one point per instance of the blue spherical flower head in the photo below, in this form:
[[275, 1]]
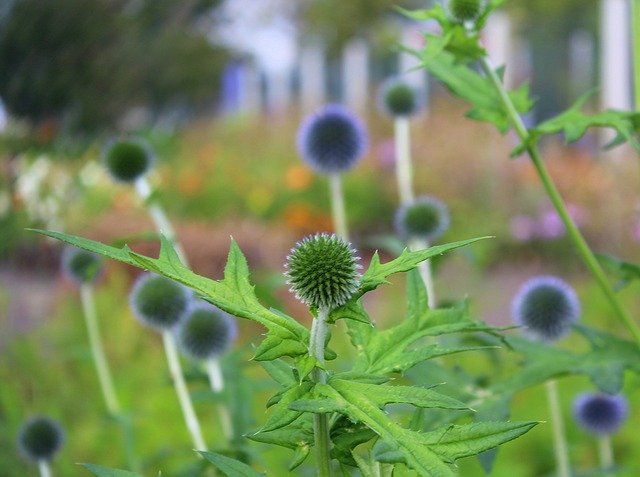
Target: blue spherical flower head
[[128, 159], [399, 99], [426, 218], [547, 306], [80, 265], [332, 140], [466, 10], [600, 414], [206, 332], [323, 271], [40, 438], [159, 302]]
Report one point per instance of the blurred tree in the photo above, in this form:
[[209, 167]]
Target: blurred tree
[[80, 65]]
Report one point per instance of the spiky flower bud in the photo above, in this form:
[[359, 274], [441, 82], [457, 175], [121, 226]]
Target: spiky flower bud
[[399, 99], [332, 140], [159, 302], [466, 10], [547, 306], [40, 438], [425, 218], [80, 265], [206, 332], [323, 271], [127, 159], [600, 414]]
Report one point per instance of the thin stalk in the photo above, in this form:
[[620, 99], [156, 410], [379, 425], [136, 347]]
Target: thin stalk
[[635, 33], [337, 207], [159, 217], [95, 342], [559, 437], [44, 468], [605, 453], [572, 230], [179, 383], [425, 272], [320, 421], [403, 159], [216, 381]]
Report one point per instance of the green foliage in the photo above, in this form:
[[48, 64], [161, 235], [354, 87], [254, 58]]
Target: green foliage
[[230, 467], [100, 471]]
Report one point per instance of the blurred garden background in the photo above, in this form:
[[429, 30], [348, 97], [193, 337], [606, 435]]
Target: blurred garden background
[[218, 88]]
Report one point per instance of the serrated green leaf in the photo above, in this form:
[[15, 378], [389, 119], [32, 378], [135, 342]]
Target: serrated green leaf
[[346, 436], [315, 406], [352, 310], [377, 272], [300, 455], [228, 466], [417, 302], [297, 436], [361, 377], [101, 471], [574, 123], [626, 271], [281, 414], [304, 365], [234, 294], [280, 371], [382, 395]]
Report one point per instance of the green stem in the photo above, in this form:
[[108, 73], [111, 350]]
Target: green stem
[[190, 418], [559, 437], [635, 34], [605, 452], [95, 342], [320, 421], [337, 207], [572, 230], [403, 159]]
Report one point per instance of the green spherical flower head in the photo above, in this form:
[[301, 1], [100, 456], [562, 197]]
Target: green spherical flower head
[[40, 438], [399, 99], [127, 160], [466, 10], [81, 266], [206, 332], [425, 218], [323, 271], [159, 302]]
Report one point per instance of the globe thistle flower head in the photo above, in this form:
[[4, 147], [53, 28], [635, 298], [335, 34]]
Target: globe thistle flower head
[[128, 159], [159, 302], [332, 140], [547, 306], [323, 271], [466, 10], [80, 265], [600, 414], [206, 332], [40, 438], [398, 98], [425, 218]]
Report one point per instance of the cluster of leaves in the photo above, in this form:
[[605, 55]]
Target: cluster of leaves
[[356, 399]]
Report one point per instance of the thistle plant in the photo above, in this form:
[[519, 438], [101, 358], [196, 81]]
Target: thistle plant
[[39, 440], [331, 141], [547, 307], [601, 415], [162, 304], [451, 56], [419, 222], [204, 335]]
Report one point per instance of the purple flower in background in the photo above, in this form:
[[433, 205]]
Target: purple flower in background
[[550, 226], [332, 140], [523, 228], [386, 153], [547, 306], [600, 414]]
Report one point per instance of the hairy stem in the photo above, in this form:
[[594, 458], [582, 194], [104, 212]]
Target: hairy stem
[[179, 383], [44, 468], [605, 453], [403, 159], [559, 437], [216, 381], [320, 421], [574, 233], [337, 207]]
